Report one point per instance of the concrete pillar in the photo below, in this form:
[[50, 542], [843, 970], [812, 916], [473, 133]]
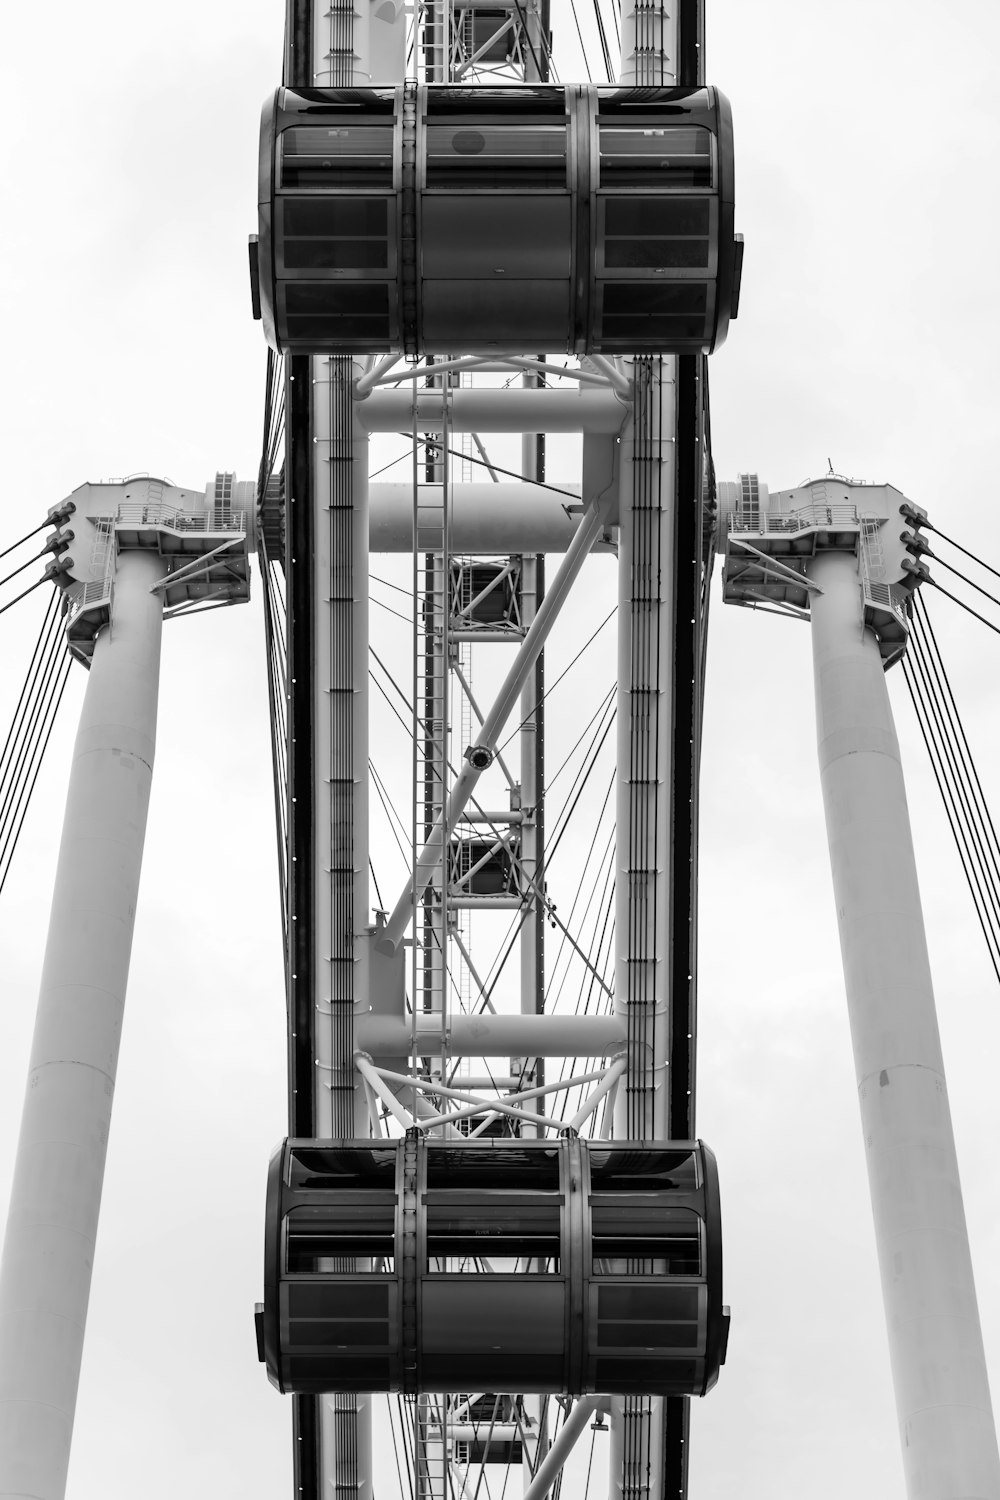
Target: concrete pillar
[[48, 1252], [939, 1371]]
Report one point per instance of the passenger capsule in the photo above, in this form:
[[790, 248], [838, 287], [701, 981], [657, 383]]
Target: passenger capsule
[[425, 219], [501, 1265]]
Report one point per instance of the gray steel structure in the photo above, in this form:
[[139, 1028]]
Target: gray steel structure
[[675, 504]]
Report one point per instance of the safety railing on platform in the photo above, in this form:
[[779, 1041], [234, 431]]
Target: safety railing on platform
[[807, 518], [164, 513], [82, 596]]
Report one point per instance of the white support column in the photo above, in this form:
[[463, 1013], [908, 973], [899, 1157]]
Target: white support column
[[645, 712], [649, 43], [939, 1371], [341, 945], [340, 758], [59, 1172], [644, 729]]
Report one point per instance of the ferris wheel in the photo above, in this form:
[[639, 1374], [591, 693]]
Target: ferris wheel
[[493, 1235]]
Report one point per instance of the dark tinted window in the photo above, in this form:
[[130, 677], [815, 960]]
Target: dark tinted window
[[636, 1235], [655, 156], [638, 315], [335, 232], [646, 1170], [493, 1166], [355, 1231], [489, 156], [657, 216], [492, 1231], [337, 156], [649, 254], [338, 1166], [356, 311]]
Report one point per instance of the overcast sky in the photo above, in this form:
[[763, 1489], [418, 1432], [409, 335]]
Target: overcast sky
[[866, 138]]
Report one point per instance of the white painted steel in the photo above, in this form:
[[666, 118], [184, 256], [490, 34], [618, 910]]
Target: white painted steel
[[485, 518], [649, 42], [332, 760], [644, 728], [493, 411], [946, 1425], [364, 40], [368, 379], [59, 1171], [563, 1444], [494, 1036], [345, 1445], [644, 725], [361, 43]]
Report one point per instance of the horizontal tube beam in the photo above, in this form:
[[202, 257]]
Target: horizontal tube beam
[[483, 1432], [493, 1036], [484, 518], [493, 411], [495, 819], [485, 903]]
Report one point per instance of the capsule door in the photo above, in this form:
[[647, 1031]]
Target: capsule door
[[496, 225], [493, 1280]]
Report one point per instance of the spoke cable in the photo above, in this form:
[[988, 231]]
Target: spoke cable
[[31, 729], [27, 537], [953, 767], [967, 607], [964, 550]]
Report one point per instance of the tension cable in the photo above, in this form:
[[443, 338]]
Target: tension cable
[[963, 798]]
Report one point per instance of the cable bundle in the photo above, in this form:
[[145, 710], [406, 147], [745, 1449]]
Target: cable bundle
[[955, 772], [57, 543], [28, 737]]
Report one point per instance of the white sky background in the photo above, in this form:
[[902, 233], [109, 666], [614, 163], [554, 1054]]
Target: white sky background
[[866, 137]]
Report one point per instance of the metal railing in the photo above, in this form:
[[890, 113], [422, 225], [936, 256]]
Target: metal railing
[[807, 518], [887, 596], [163, 513], [81, 596]]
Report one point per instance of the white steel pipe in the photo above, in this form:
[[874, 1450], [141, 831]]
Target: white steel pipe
[[650, 44], [492, 411], [485, 518], [373, 1079], [361, 44], [421, 372], [493, 1036], [59, 1171], [560, 372], [939, 1373], [468, 777], [431, 1086], [608, 1083], [483, 1432], [563, 1444], [644, 729], [368, 379], [339, 623], [610, 370]]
